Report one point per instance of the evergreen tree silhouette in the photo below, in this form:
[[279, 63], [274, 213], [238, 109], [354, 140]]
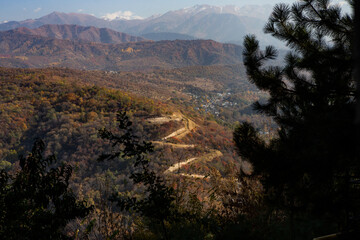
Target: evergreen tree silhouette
[[35, 202], [309, 169]]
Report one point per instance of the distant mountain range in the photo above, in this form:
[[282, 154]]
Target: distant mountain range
[[56, 18], [224, 24], [75, 32], [20, 49], [167, 36]]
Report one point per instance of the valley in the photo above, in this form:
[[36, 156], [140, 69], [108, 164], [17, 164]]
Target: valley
[[65, 83], [156, 120], [66, 111]]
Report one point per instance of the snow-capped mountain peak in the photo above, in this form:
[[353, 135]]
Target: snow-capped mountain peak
[[256, 11], [121, 15]]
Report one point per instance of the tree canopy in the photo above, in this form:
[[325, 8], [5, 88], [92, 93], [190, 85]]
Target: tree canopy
[[311, 166], [35, 202]]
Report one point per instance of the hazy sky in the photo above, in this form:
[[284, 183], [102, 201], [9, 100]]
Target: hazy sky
[[25, 9]]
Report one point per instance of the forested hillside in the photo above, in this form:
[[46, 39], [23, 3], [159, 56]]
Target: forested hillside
[[222, 92], [67, 116]]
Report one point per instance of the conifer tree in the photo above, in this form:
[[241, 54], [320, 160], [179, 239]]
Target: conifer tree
[[310, 167], [158, 205], [35, 202], [163, 216]]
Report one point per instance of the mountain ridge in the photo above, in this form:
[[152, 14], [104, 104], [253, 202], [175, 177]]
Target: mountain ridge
[[232, 23], [22, 50], [160, 36], [76, 32]]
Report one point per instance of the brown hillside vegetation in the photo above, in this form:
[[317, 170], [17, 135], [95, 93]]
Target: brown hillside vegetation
[[67, 116], [219, 91]]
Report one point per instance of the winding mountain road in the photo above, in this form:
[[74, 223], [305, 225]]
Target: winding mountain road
[[180, 133]]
